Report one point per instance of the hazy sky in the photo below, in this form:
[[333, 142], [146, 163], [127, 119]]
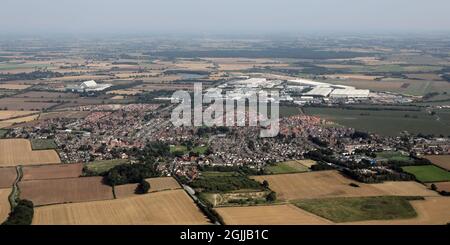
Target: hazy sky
[[222, 16]]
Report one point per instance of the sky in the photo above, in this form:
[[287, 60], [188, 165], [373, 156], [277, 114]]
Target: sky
[[222, 16]]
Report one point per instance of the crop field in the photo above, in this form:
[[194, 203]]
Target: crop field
[[384, 122], [326, 184], [442, 161], [5, 207], [13, 86], [269, 215], [156, 184], [431, 211], [441, 186], [46, 95], [7, 177], [43, 144], [27, 104], [10, 114], [53, 171], [287, 167], [18, 152], [64, 114], [235, 198], [173, 207], [11, 122], [54, 191], [347, 209], [428, 173]]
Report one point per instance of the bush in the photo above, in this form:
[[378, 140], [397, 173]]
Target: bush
[[22, 214], [143, 187], [271, 197]]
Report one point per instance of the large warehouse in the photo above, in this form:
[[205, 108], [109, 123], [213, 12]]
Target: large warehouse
[[350, 93], [319, 92]]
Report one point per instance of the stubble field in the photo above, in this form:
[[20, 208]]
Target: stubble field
[[15, 152]]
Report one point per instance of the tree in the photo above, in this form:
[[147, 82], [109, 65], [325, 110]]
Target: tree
[[271, 197], [265, 184], [143, 187], [433, 187], [22, 214]]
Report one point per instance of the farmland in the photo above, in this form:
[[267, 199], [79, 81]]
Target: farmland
[[441, 186], [11, 122], [4, 204], [287, 167], [27, 104], [101, 166], [54, 171], [326, 184], [53, 191], [442, 161], [7, 177], [156, 184], [428, 173], [286, 214], [384, 122], [18, 151], [43, 144], [12, 114], [165, 207], [359, 208]]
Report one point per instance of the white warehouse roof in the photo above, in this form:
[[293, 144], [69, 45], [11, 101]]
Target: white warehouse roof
[[350, 93], [319, 91]]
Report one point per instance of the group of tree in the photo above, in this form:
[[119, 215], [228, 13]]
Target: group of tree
[[130, 173], [224, 183], [378, 177], [22, 213]]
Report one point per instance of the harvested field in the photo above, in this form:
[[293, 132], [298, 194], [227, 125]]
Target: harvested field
[[442, 161], [46, 95], [431, 211], [13, 86], [308, 163], [54, 191], [325, 184], [441, 186], [269, 215], [7, 177], [15, 152], [11, 122], [10, 114], [166, 208], [5, 207], [29, 104], [54, 171], [156, 184], [64, 114]]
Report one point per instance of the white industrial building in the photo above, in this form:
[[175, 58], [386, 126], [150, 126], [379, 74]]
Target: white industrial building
[[350, 93], [88, 86], [319, 92]]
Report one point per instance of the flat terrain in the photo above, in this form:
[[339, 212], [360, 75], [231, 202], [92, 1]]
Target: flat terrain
[[442, 161], [345, 209], [287, 167], [269, 215], [54, 171], [428, 173], [5, 207], [44, 192], [325, 184], [9, 114], [13, 121], [18, 152], [101, 166], [431, 211], [441, 186], [156, 184], [7, 177], [43, 144], [166, 207]]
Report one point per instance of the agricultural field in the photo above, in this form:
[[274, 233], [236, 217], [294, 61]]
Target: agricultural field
[[441, 186], [431, 211], [172, 207], [14, 86], [26, 104], [156, 184], [18, 152], [293, 166], [53, 171], [64, 114], [347, 209], [442, 161], [7, 177], [3, 132], [13, 114], [5, 207], [384, 122], [428, 173], [327, 184], [102, 166], [286, 214], [43, 144], [235, 198], [11, 122], [54, 191], [181, 148]]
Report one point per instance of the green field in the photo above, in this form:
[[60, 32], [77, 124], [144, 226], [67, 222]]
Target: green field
[[102, 166], [176, 148], [428, 173], [43, 144], [181, 148], [3, 133], [385, 122], [349, 209], [287, 167], [287, 111], [394, 155]]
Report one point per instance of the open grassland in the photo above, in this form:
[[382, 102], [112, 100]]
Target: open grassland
[[166, 207], [11, 122], [12, 114], [428, 173], [269, 215], [347, 209], [431, 211], [43, 144], [7, 177], [326, 184], [54, 171], [5, 207], [442, 161], [156, 184], [384, 122], [15, 152], [101, 166], [54, 191], [287, 167]]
